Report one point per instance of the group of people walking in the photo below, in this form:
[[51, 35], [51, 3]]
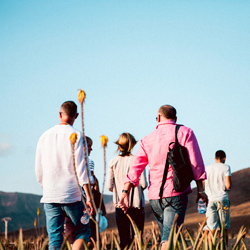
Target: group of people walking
[[126, 179]]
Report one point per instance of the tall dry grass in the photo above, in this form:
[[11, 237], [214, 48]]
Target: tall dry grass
[[179, 239]]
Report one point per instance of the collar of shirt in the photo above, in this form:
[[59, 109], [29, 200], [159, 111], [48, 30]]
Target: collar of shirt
[[165, 122]]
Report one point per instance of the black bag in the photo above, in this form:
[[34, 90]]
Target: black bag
[[178, 158]]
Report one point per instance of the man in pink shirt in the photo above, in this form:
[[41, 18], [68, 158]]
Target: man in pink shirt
[[153, 152]]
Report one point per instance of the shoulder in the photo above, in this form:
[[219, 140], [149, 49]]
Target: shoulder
[[227, 167], [114, 160], [150, 137], [73, 130], [184, 129], [47, 133], [222, 166], [211, 168], [69, 130], [185, 132]]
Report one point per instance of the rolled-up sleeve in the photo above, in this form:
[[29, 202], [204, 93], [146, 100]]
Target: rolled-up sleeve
[[138, 164], [195, 156]]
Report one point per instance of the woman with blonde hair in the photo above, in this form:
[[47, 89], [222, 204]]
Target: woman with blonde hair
[[118, 169]]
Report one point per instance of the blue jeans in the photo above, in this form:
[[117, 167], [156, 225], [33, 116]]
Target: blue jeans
[[55, 216], [165, 211]]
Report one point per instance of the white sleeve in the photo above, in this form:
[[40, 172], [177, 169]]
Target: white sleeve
[[38, 164], [228, 171], [110, 178], [80, 163]]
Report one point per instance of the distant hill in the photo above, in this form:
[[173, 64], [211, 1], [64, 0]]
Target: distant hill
[[22, 209]]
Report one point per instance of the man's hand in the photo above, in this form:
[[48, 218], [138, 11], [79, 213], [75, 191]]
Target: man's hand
[[88, 198], [90, 207], [200, 191], [123, 203], [203, 197]]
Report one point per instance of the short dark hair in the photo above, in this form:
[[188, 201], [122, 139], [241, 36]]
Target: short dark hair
[[70, 108], [89, 140], [220, 154], [167, 111]]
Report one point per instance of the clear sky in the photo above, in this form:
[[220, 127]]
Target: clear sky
[[130, 57]]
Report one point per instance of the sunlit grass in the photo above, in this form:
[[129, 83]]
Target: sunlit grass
[[179, 239]]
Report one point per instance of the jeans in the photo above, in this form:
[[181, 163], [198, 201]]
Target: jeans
[[124, 224], [55, 216], [218, 212], [165, 211]]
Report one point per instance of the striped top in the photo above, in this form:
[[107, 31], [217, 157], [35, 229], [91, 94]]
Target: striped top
[[91, 165]]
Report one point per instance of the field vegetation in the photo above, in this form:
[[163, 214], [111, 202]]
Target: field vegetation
[[180, 238]]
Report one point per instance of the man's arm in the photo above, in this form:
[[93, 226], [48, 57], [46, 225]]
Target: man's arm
[[228, 182], [88, 198], [200, 192], [81, 166], [38, 165], [196, 160], [197, 165], [138, 165], [123, 203]]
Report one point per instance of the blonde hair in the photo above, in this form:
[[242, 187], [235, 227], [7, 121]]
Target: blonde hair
[[125, 143]]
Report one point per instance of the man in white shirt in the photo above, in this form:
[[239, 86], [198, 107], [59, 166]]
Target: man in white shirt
[[55, 172], [217, 184]]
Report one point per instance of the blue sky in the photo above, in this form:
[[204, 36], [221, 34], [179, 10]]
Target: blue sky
[[130, 57]]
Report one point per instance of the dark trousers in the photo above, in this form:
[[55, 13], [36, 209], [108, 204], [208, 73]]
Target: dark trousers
[[124, 225]]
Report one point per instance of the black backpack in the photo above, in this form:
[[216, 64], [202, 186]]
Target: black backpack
[[178, 158]]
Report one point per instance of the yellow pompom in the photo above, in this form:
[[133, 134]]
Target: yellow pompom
[[81, 96], [104, 140], [35, 222], [73, 138], [38, 211]]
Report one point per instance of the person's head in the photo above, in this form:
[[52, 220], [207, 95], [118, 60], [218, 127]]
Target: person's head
[[166, 112], [125, 143], [89, 144], [68, 112], [220, 156]]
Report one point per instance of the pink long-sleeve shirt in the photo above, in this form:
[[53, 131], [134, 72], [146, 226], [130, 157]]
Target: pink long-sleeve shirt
[[153, 152]]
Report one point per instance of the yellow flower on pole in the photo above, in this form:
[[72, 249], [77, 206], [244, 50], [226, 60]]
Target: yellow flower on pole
[[226, 208], [73, 138], [81, 96], [35, 222], [38, 211], [104, 141]]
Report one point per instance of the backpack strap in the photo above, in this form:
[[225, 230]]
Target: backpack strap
[[176, 132], [164, 178]]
